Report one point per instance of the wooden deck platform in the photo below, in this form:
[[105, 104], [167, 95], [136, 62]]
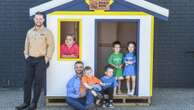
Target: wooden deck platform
[[119, 100]]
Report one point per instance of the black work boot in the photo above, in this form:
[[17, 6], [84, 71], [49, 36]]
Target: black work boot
[[32, 106], [22, 106]]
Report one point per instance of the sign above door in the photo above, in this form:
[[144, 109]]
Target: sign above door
[[99, 4]]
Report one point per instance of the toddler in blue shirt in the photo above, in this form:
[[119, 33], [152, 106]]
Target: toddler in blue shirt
[[109, 87]]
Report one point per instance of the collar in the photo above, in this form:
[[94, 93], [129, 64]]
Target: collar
[[71, 45], [38, 29], [131, 53], [78, 76]]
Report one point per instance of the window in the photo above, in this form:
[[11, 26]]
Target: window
[[69, 39]]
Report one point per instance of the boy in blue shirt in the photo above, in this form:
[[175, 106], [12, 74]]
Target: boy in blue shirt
[[109, 87]]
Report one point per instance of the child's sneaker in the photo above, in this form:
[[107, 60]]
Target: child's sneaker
[[98, 102], [110, 104], [99, 96], [132, 92], [104, 104], [119, 92], [129, 93]]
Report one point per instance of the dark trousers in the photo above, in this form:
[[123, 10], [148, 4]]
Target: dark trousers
[[108, 91], [34, 77]]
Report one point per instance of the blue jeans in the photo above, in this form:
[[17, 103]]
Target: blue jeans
[[97, 87], [89, 98], [81, 103], [76, 103]]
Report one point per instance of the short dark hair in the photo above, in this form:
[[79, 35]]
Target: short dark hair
[[116, 43], [70, 34], [87, 68], [78, 62], [108, 67], [131, 42], [39, 13]]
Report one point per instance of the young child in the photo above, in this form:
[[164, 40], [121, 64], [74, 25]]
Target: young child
[[116, 61], [92, 83], [129, 69], [70, 48], [109, 87]]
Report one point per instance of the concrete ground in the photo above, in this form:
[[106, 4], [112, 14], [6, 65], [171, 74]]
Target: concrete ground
[[163, 99]]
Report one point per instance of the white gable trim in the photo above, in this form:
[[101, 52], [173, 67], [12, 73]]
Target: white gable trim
[[141, 3], [150, 6], [48, 5]]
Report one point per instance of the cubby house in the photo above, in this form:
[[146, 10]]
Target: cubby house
[[96, 24]]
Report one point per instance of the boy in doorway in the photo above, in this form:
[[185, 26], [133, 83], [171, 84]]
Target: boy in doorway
[[116, 60]]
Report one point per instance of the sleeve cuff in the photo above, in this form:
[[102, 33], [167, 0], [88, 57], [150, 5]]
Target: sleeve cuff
[[26, 56]]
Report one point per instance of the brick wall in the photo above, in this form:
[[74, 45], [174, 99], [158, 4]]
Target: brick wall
[[173, 66], [14, 22]]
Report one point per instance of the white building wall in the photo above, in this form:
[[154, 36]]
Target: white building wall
[[59, 72]]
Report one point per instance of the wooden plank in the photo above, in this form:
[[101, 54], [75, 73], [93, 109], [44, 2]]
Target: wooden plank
[[119, 100]]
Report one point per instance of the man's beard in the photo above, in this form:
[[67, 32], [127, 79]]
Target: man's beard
[[39, 25], [79, 72]]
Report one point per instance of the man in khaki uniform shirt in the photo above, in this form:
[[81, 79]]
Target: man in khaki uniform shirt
[[39, 47]]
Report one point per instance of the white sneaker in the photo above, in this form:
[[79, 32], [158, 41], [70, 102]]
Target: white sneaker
[[132, 92], [104, 105], [98, 102], [110, 105], [129, 93]]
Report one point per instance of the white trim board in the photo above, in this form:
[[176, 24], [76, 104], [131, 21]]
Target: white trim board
[[141, 3], [150, 6], [48, 5]]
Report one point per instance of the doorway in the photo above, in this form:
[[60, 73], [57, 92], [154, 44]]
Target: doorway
[[107, 32]]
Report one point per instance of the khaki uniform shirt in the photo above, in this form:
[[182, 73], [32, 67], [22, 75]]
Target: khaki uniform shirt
[[39, 42]]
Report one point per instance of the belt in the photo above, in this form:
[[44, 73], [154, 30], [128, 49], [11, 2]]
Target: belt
[[40, 57]]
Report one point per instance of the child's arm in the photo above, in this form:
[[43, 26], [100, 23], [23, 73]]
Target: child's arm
[[132, 61], [90, 88], [85, 83], [129, 62], [69, 56], [126, 61], [122, 62], [110, 62], [102, 84], [87, 86], [121, 66], [62, 51], [98, 81], [76, 51]]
